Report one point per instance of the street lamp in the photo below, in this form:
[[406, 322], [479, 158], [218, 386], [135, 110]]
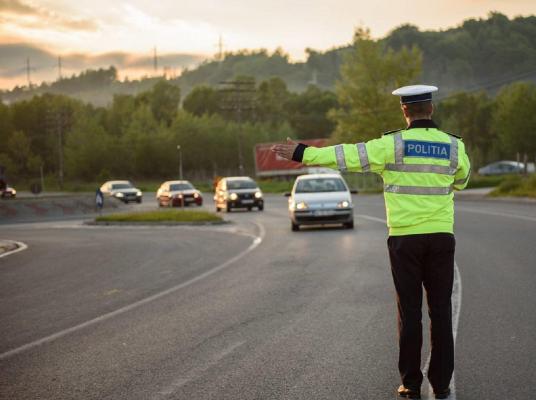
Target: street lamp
[[180, 161]]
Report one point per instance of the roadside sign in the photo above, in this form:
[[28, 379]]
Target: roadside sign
[[269, 164]]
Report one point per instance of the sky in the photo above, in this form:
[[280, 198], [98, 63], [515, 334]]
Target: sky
[[97, 32]]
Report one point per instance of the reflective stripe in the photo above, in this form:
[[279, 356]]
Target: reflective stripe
[[436, 169], [453, 152], [463, 180], [339, 154], [363, 157], [399, 149], [417, 190]]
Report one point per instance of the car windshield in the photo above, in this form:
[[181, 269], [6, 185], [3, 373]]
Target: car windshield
[[180, 186], [116, 186], [241, 184], [320, 185]]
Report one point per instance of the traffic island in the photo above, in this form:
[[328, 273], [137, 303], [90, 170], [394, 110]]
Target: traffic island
[[160, 217], [7, 246]]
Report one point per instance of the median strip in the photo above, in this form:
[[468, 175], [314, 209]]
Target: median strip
[[160, 217]]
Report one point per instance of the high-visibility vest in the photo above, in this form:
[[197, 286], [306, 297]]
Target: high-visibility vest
[[420, 168]]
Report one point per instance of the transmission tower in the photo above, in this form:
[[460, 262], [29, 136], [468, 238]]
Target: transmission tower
[[238, 97]]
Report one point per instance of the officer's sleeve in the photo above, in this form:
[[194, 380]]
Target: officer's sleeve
[[461, 178], [360, 157]]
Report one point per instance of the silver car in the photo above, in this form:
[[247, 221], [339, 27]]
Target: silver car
[[320, 199], [122, 190]]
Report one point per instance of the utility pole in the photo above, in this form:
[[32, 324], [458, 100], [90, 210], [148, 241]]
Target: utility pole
[[155, 60], [238, 97], [28, 72], [220, 49], [59, 68], [180, 161], [56, 123]]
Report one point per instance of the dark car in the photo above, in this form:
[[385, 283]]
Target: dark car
[[178, 194], [238, 192], [122, 190]]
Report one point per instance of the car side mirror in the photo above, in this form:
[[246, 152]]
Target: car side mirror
[[354, 191], [286, 194]]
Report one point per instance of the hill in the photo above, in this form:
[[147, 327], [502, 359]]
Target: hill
[[478, 54]]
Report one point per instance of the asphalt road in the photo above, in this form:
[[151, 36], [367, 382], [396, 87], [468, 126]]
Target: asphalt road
[[213, 313]]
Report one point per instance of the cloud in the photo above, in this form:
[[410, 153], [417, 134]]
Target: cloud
[[24, 15], [44, 63]]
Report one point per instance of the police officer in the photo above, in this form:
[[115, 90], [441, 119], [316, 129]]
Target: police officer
[[420, 166]]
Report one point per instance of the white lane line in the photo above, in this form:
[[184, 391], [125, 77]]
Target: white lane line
[[195, 373], [497, 214], [20, 247], [47, 339], [371, 218], [456, 308]]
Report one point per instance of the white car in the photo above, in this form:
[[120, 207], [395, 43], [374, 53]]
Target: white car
[[320, 199], [122, 190]]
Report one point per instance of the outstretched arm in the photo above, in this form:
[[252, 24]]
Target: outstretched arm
[[360, 157]]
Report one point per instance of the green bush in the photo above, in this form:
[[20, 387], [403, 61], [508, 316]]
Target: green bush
[[519, 186]]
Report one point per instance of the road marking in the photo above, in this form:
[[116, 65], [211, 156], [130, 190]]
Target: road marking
[[371, 218], [47, 339], [497, 214], [456, 308], [20, 247], [195, 373]]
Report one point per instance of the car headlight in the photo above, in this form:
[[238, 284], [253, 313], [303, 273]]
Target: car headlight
[[233, 196], [258, 195], [302, 205], [196, 195], [119, 195], [138, 193], [343, 204], [13, 191], [178, 196]]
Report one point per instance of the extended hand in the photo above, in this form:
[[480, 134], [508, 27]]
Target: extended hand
[[285, 150]]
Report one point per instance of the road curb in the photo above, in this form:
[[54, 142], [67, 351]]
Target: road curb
[[156, 223]]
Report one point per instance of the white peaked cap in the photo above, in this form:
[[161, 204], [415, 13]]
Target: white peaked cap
[[415, 93]]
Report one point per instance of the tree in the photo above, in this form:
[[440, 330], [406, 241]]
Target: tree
[[202, 100], [163, 99], [307, 113], [514, 120], [19, 151], [369, 74], [272, 94], [470, 115]]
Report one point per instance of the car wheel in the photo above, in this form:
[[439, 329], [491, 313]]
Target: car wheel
[[138, 201], [349, 225], [261, 207], [228, 208], [250, 208], [218, 209], [294, 227]]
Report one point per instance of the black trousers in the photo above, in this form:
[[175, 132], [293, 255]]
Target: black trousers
[[416, 261]]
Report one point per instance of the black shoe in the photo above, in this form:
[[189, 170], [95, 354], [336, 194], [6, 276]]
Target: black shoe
[[408, 393], [442, 394]]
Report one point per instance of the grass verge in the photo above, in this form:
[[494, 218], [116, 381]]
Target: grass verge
[[517, 186], [162, 216]]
